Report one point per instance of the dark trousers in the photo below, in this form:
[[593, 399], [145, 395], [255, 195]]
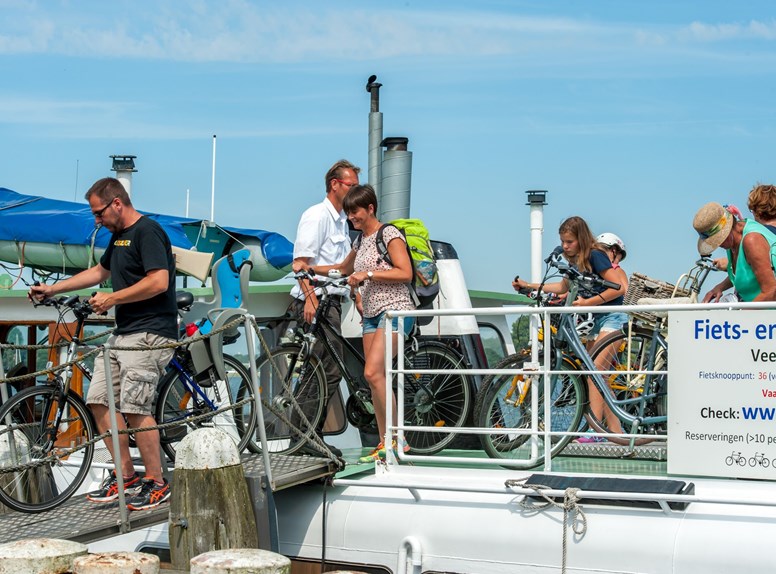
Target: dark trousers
[[333, 374]]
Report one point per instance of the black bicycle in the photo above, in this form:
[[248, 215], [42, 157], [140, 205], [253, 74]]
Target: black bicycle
[[47, 431], [293, 383]]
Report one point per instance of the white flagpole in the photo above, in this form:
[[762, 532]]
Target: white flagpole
[[213, 184]]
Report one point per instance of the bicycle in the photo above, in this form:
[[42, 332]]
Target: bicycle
[[505, 401], [644, 347], [293, 383], [759, 459], [736, 457], [192, 389], [45, 425]]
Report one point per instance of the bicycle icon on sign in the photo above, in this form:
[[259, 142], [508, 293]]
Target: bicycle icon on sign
[[759, 458], [738, 459]]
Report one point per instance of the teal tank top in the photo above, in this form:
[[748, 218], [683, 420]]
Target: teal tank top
[[744, 279]]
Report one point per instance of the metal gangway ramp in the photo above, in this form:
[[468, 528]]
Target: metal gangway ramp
[[83, 521]]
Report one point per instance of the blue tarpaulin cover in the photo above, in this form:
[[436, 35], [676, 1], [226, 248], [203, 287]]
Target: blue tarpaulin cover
[[38, 219]]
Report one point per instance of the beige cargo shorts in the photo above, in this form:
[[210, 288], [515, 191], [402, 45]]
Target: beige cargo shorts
[[134, 374]]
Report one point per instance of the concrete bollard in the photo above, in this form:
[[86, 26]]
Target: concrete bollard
[[39, 555], [116, 563], [210, 507], [240, 561]]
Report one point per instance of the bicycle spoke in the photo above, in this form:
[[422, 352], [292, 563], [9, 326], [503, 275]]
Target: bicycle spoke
[[53, 474]]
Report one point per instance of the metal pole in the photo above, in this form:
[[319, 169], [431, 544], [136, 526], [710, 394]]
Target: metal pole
[[114, 435], [250, 337], [389, 386], [375, 137], [3, 389], [213, 183], [536, 200]]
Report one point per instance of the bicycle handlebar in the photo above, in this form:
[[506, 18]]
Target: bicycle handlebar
[[586, 280], [706, 262], [315, 281], [73, 302]]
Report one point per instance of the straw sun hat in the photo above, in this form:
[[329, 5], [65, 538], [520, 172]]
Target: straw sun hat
[[713, 223]]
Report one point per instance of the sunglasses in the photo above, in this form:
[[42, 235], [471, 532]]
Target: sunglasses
[[98, 213]]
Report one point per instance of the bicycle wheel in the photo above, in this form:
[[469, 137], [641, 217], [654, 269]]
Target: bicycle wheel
[[180, 401], [645, 395], [505, 402], [285, 395], [29, 433], [434, 400]]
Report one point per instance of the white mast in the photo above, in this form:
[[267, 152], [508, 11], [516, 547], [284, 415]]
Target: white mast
[[213, 184]]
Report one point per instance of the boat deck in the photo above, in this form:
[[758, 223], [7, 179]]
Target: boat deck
[[82, 521]]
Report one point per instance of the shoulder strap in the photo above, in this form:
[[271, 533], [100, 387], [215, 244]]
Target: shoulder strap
[[382, 248]]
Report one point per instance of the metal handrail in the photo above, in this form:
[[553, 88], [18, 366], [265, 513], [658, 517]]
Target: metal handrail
[[542, 370]]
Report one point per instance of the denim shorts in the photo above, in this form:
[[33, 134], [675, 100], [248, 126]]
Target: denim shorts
[[607, 322], [372, 324]]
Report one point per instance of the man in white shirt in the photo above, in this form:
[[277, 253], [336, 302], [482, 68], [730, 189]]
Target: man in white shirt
[[322, 238]]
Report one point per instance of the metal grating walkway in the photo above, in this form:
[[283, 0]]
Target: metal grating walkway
[[82, 521]]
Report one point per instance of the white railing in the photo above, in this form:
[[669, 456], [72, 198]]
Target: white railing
[[543, 369]]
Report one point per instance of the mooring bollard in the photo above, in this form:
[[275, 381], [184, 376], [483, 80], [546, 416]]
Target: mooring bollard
[[116, 563], [240, 561], [37, 555], [210, 508]]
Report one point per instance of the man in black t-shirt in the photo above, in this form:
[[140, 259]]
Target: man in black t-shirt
[[141, 266]]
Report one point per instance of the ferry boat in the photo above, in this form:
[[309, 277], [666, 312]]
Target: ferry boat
[[593, 508]]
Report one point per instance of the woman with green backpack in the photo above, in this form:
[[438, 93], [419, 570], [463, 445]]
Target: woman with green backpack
[[379, 282]]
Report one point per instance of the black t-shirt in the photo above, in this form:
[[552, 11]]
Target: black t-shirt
[[131, 254]]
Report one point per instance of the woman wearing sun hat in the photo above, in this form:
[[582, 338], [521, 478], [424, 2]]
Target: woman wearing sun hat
[[751, 253]]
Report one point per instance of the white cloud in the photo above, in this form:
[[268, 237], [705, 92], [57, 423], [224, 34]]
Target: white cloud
[[753, 30], [270, 32]]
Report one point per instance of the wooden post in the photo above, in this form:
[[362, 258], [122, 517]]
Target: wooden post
[[240, 561], [116, 563], [36, 555], [210, 508]]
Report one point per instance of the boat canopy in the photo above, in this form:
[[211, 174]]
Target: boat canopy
[[34, 219]]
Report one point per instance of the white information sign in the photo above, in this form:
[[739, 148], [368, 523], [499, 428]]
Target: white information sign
[[722, 393]]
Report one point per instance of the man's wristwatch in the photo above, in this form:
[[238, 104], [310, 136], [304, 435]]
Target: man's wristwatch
[[370, 274]]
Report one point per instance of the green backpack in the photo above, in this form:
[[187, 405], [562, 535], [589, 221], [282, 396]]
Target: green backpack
[[425, 284]]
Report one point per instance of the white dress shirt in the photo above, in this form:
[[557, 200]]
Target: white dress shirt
[[322, 236]]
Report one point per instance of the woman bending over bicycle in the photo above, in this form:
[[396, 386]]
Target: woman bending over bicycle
[[379, 283], [582, 250]]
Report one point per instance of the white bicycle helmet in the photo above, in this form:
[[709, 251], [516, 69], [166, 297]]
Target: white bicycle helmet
[[610, 240]]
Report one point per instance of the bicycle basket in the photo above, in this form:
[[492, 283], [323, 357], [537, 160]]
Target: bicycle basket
[[640, 286]]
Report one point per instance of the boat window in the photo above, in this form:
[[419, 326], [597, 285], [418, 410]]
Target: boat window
[[493, 343], [305, 566], [157, 549]]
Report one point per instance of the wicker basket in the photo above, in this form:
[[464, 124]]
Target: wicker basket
[[640, 286]]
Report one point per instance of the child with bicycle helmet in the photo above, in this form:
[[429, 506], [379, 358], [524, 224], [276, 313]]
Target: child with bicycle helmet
[[614, 247], [582, 250]]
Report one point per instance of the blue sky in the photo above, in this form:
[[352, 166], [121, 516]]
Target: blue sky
[[631, 114]]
